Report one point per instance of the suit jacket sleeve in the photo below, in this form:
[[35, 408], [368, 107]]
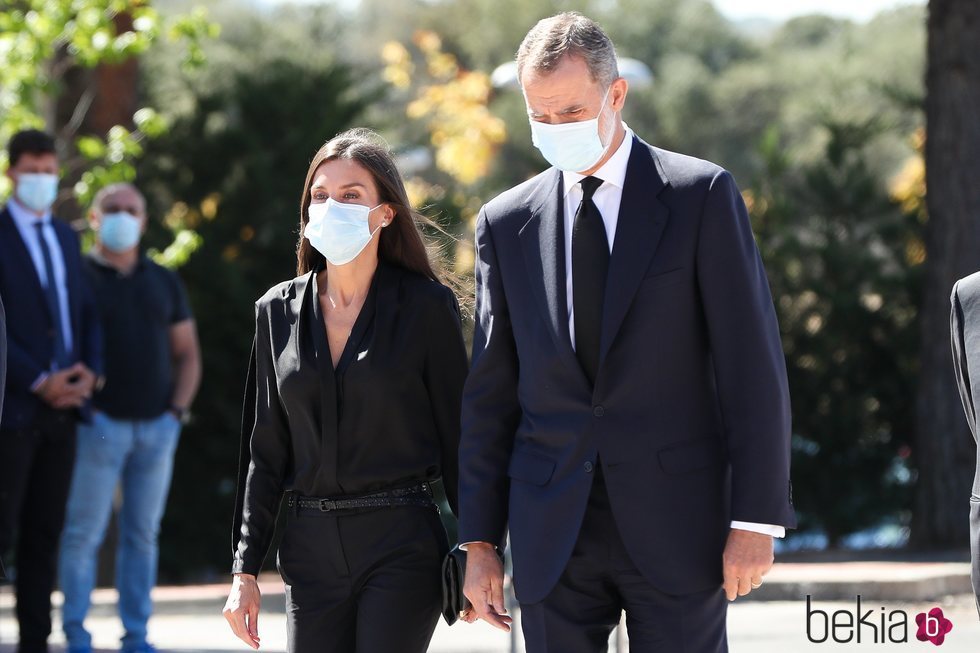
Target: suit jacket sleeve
[[445, 373], [750, 369], [491, 411], [22, 370], [264, 455], [959, 358]]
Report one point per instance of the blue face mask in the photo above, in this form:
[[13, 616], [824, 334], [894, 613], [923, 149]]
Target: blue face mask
[[339, 231], [37, 191], [120, 232], [571, 146]]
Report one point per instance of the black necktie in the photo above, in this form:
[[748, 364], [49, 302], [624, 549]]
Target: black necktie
[[590, 262], [51, 296]]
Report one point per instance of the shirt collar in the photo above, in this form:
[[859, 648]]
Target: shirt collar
[[24, 218], [95, 255], [612, 171]]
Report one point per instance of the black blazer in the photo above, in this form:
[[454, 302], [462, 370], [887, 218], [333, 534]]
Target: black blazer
[[30, 335], [690, 412], [965, 333], [388, 416]]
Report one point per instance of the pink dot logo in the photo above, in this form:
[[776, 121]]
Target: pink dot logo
[[933, 626]]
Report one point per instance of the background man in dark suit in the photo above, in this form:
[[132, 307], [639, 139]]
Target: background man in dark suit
[[53, 365], [965, 334], [627, 411]]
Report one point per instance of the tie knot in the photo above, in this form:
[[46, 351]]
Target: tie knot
[[589, 186]]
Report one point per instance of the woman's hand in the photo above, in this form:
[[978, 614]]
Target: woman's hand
[[242, 609]]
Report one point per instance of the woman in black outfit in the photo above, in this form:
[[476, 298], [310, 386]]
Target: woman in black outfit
[[351, 410]]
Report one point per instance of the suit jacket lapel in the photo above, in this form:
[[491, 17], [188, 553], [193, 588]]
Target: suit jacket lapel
[[642, 218], [543, 243]]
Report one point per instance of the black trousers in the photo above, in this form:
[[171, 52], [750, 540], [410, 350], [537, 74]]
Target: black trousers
[[600, 581], [35, 475], [362, 582]]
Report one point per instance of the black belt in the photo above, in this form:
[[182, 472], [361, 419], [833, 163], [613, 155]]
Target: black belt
[[416, 495]]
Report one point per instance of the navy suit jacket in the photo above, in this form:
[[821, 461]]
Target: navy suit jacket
[[965, 332], [30, 329], [689, 414]]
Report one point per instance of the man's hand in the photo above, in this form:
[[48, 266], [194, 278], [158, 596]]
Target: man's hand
[[68, 388], [484, 586], [242, 609], [748, 557]]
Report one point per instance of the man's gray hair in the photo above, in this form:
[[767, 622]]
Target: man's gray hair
[[568, 34], [112, 188]]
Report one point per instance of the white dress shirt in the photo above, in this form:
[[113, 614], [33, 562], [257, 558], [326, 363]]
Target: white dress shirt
[[25, 222], [607, 199]]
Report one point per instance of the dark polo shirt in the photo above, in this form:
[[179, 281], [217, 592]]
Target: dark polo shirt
[[137, 312]]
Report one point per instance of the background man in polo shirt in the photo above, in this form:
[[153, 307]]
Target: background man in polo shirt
[[153, 371]]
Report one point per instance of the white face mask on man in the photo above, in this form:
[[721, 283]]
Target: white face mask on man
[[339, 231], [573, 146], [37, 191]]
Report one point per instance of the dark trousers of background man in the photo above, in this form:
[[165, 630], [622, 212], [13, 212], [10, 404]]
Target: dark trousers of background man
[[35, 474]]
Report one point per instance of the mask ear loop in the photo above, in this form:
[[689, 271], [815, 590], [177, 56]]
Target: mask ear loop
[[605, 97], [384, 222]]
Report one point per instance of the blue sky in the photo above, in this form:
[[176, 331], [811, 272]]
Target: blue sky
[[782, 9], [772, 9]]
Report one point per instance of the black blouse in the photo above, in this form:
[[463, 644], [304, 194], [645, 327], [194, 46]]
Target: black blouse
[[388, 416]]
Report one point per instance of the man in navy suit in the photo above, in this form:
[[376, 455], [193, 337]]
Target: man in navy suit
[[53, 365], [627, 414]]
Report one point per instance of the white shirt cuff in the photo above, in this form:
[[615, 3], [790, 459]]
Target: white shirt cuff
[[765, 529], [462, 547], [38, 381]]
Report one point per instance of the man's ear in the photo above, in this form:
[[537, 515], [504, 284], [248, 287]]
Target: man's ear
[[620, 88]]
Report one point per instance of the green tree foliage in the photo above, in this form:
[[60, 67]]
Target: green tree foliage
[[43, 42], [232, 166], [843, 261]]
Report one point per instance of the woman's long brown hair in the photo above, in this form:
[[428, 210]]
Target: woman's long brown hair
[[400, 243]]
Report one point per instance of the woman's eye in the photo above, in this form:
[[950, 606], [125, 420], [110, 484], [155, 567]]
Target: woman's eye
[[350, 196]]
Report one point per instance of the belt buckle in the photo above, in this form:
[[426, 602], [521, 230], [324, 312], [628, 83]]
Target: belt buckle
[[326, 505]]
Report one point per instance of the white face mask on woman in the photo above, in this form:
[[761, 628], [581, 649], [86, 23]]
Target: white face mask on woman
[[339, 231]]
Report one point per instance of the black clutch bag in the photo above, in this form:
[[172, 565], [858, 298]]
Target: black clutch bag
[[453, 576], [453, 570]]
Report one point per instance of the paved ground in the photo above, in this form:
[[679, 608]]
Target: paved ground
[[188, 618]]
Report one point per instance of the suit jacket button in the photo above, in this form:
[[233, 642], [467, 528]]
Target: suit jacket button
[[588, 467], [598, 411]]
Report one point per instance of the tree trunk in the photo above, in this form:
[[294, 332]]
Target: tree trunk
[[944, 453]]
